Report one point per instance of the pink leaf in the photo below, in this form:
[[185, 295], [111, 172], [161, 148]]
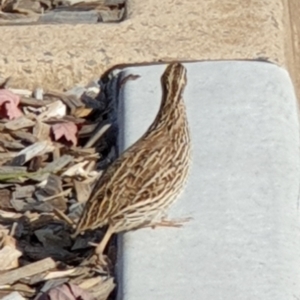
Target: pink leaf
[[67, 130], [66, 291], [9, 104]]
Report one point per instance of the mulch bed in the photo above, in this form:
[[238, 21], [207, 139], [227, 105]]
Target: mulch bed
[[54, 146], [13, 12]]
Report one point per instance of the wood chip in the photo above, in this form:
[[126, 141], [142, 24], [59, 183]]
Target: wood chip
[[69, 100], [24, 136], [24, 191], [82, 112], [52, 283], [83, 191], [76, 170], [102, 290], [41, 266], [41, 131], [5, 196], [45, 182], [39, 252], [30, 204], [58, 164], [14, 296], [53, 110], [12, 173], [49, 238], [52, 188], [59, 274], [9, 215], [29, 152], [24, 289], [12, 145], [21, 92], [36, 163], [34, 102], [83, 151], [9, 258], [19, 123], [86, 130], [4, 157], [90, 282]]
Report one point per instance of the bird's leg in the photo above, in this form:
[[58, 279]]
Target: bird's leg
[[102, 245]]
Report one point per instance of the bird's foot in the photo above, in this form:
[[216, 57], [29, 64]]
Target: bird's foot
[[101, 259], [170, 223]]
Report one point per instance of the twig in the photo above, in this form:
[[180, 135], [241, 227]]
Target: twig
[[13, 229], [97, 136], [63, 193], [63, 216]]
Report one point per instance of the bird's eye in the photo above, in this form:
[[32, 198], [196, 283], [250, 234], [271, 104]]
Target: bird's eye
[[108, 192]]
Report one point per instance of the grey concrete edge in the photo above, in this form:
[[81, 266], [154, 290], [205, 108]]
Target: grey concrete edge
[[243, 190]]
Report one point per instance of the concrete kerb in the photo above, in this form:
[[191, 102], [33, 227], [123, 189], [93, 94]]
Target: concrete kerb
[[242, 193]]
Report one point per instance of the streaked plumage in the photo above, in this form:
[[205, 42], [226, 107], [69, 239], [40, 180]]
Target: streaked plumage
[[140, 185]]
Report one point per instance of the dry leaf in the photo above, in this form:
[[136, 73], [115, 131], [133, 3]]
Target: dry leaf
[[9, 105], [68, 130]]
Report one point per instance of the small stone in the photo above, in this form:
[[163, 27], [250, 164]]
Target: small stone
[[38, 93]]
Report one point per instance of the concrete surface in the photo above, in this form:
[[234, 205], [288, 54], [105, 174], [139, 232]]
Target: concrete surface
[[59, 56], [243, 191]]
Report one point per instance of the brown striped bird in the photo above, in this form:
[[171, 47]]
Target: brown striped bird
[[138, 187]]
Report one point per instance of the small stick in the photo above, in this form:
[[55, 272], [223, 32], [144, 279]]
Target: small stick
[[63, 193], [63, 216], [96, 136], [13, 229]]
